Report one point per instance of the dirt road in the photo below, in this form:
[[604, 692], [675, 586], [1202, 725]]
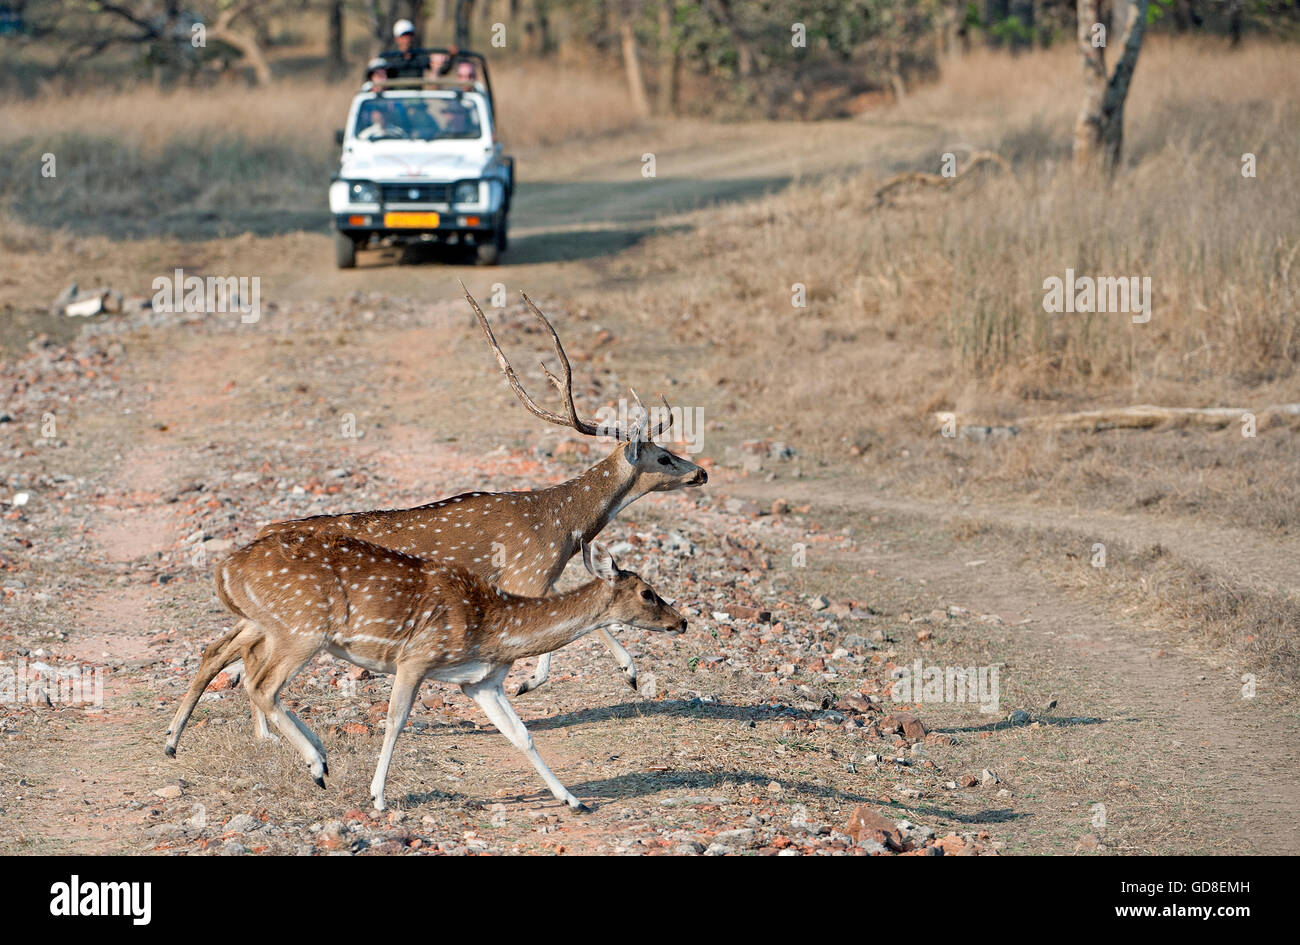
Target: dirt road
[[178, 436]]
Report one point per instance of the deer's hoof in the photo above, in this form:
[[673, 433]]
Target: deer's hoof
[[169, 751], [320, 781]]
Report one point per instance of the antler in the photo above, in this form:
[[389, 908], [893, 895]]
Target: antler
[[572, 420], [565, 386], [663, 425]]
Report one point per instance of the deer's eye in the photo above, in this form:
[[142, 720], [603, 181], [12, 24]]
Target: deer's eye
[[665, 461], [647, 594]]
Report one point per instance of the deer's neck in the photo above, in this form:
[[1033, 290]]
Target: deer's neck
[[531, 626], [589, 502]]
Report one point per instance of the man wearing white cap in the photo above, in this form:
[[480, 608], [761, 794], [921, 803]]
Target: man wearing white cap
[[404, 34], [406, 62]]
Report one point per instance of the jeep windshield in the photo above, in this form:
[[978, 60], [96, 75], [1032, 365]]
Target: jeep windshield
[[404, 118]]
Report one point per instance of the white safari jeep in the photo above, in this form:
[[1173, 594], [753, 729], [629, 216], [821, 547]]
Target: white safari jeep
[[421, 163]]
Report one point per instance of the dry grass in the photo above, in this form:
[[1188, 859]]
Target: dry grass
[[304, 114], [1251, 624], [219, 161], [945, 289]]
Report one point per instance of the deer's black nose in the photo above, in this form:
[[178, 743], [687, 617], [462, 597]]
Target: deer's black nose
[[701, 478]]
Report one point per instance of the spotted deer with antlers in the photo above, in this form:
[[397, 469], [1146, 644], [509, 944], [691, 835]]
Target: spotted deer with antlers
[[301, 593], [521, 541]]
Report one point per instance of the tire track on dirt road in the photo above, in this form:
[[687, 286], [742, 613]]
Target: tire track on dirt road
[[1232, 757]]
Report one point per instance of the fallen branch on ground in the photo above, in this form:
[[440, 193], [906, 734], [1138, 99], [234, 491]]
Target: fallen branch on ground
[[937, 180], [1140, 417]]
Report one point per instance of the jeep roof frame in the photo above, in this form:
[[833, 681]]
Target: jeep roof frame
[[424, 52]]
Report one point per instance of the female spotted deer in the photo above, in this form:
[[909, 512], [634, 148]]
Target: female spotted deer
[[299, 593], [521, 541]]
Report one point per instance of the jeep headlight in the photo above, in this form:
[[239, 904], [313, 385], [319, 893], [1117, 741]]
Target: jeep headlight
[[362, 191], [466, 192]]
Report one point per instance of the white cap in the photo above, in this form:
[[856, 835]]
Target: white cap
[[402, 27]]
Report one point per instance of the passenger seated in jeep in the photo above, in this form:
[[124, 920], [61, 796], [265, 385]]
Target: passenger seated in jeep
[[378, 120], [440, 64], [423, 125], [467, 74], [459, 121]]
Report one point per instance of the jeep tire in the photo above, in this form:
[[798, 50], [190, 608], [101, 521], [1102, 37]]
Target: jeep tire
[[345, 251]]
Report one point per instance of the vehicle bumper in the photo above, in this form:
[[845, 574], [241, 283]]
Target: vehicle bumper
[[415, 224]]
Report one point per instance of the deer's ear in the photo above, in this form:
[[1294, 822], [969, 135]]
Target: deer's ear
[[599, 561]]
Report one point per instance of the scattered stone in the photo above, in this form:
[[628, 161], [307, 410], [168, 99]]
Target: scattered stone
[[243, 823], [743, 837], [866, 824]]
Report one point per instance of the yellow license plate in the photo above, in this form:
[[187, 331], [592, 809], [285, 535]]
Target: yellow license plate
[[411, 220]]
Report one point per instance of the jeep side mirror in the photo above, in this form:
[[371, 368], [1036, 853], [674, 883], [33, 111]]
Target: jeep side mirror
[[338, 136]]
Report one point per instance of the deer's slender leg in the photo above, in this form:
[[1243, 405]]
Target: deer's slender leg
[[252, 661], [260, 729], [405, 686], [216, 657], [621, 656], [539, 676], [277, 670], [491, 698]]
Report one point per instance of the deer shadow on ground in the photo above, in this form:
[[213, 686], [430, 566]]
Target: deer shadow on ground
[[1002, 724], [681, 708], [628, 786]]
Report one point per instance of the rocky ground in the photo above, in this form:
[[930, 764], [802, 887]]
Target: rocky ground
[[772, 730]]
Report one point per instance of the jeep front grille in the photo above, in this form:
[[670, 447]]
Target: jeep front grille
[[415, 193]]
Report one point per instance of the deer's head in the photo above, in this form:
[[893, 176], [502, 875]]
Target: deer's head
[[633, 602], [655, 468]]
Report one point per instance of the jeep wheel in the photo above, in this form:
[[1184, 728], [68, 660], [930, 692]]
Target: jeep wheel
[[489, 254], [345, 251]]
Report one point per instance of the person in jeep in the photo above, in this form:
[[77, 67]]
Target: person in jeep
[[379, 119], [407, 63]]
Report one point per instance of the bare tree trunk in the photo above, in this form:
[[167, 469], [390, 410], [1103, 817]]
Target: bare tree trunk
[[746, 61], [464, 14], [246, 43], [669, 59], [1099, 131], [415, 13], [378, 28], [336, 65], [632, 65], [1234, 21], [545, 41]]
